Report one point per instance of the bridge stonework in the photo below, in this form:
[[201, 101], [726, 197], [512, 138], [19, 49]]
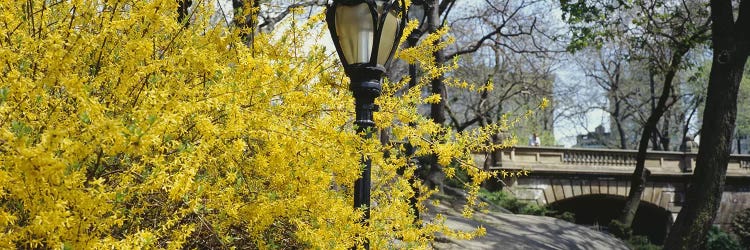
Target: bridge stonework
[[549, 189], [562, 173]]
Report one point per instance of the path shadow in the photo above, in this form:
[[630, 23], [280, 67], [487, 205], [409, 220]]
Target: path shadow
[[512, 231]]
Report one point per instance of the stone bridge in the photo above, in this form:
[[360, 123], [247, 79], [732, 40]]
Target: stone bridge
[[593, 183]]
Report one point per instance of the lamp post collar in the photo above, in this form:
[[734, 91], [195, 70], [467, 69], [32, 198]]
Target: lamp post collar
[[365, 80]]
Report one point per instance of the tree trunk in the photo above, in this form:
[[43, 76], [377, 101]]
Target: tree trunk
[[182, 10], [414, 182], [739, 144], [437, 110], [623, 139], [686, 128], [664, 135], [435, 175], [246, 18], [618, 124], [652, 88], [496, 154], [616, 99], [731, 42], [638, 179]]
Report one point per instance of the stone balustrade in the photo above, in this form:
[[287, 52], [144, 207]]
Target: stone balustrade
[[602, 160]]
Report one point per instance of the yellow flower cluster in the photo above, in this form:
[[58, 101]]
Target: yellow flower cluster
[[122, 128]]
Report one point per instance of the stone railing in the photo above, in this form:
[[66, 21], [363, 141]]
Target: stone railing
[[744, 163], [602, 160]]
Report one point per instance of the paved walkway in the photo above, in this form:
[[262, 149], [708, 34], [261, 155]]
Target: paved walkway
[[511, 231]]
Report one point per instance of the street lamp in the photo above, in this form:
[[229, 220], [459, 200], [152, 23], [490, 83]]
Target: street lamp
[[366, 34]]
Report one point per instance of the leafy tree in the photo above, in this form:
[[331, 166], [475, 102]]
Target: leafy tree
[[730, 38], [717, 239], [122, 127]]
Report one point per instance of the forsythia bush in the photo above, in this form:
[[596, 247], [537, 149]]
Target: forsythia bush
[[122, 128]]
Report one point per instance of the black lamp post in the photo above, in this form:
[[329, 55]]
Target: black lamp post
[[366, 34]]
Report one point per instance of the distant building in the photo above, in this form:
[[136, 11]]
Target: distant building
[[597, 139]]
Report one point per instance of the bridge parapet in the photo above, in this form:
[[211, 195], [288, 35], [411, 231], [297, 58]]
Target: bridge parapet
[[613, 161]]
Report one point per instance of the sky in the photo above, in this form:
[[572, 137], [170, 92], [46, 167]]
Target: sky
[[566, 130]]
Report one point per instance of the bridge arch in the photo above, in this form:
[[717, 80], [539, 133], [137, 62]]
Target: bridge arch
[[597, 210], [549, 188], [596, 199]]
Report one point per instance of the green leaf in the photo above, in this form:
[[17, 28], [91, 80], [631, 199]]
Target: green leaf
[[19, 129]]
